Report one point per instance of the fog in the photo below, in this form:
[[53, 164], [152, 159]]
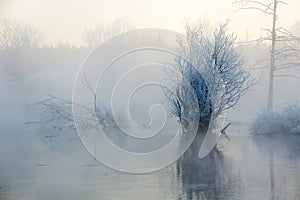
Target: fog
[[46, 158], [72, 18]]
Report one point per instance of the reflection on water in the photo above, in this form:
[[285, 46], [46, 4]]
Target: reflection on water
[[258, 167], [208, 178]]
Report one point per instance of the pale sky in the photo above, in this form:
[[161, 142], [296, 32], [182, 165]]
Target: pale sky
[[65, 20]]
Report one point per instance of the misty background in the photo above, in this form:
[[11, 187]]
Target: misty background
[[53, 39]]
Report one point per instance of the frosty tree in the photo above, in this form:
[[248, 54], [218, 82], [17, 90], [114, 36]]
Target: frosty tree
[[15, 34], [215, 74], [284, 53], [18, 41], [94, 36]]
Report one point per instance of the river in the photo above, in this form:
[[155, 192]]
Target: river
[[246, 167]]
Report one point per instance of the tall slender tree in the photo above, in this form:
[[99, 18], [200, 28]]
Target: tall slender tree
[[283, 53]]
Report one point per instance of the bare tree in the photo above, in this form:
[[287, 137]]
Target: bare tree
[[215, 74], [284, 53], [94, 36], [57, 114], [15, 34]]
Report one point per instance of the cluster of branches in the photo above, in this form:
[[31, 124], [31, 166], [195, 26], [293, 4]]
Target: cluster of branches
[[213, 68], [284, 52], [57, 114]]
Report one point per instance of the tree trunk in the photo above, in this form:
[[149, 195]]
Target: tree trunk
[[272, 64]]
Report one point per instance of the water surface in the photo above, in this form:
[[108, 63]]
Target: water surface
[[246, 167]]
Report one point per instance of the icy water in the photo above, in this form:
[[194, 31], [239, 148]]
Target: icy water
[[244, 168]]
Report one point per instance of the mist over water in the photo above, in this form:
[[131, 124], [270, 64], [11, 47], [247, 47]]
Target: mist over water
[[41, 162], [45, 158]]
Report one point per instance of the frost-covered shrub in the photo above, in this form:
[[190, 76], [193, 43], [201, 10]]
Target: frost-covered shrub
[[213, 68], [270, 122], [291, 119], [267, 122]]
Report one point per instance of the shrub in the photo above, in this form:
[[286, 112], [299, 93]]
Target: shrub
[[270, 122]]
